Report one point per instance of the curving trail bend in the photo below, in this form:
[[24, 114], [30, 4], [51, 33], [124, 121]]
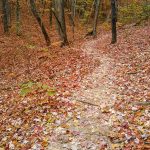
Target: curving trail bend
[[96, 96]]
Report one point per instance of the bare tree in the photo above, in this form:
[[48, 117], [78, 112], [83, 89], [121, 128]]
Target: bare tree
[[60, 19], [17, 17], [5, 6], [73, 8], [114, 21], [39, 20], [97, 7], [50, 13]]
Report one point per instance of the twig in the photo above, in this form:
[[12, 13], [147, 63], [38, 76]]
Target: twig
[[65, 121], [132, 72], [142, 103], [88, 103], [7, 88]]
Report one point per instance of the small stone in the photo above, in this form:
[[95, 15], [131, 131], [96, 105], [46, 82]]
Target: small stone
[[11, 145], [134, 108], [137, 141], [67, 94]]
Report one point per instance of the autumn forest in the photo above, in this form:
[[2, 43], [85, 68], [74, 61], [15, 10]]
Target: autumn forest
[[74, 74]]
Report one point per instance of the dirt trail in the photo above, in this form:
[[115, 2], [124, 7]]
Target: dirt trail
[[105, 111], [96, 96]]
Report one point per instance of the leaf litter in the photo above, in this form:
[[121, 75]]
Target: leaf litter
[[101, 101]]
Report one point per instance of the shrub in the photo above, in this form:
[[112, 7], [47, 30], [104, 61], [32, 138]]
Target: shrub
[[134, 12]]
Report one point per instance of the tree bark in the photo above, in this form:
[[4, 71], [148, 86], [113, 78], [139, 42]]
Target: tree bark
[[73, 8], [71, 14], [114, 21], [61, 24], [17, 17], [97, 7], [39, 20], [50, 14], [5, 15]]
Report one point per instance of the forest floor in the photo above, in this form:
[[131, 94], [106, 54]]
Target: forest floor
[[91, 95]]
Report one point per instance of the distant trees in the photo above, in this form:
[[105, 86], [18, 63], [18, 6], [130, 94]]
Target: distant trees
[[71, 13]]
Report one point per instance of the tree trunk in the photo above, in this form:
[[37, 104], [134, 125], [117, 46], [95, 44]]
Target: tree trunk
[[73, 8], [71, 14], [5, 15], [17, 17], [50, 14], [113, 21], [97, 7], [60, 18], [39, 20]]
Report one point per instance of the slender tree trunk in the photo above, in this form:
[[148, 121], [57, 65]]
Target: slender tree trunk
[[113, 21], [71, 14], [17, 17], [92, 11], [73, 8], [71, 19], [59, 11], [97, 7], [39, 20], [5, 15], [50, 14]]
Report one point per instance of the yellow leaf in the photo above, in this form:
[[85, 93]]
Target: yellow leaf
[[65, 126], [76, 122], [56, 43], [45, 143], [116, 146]]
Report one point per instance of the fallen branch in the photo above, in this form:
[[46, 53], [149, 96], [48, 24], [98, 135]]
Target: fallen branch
[[65, 122], [132, 73], [9, 88], [142, 103], [88, 103]]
